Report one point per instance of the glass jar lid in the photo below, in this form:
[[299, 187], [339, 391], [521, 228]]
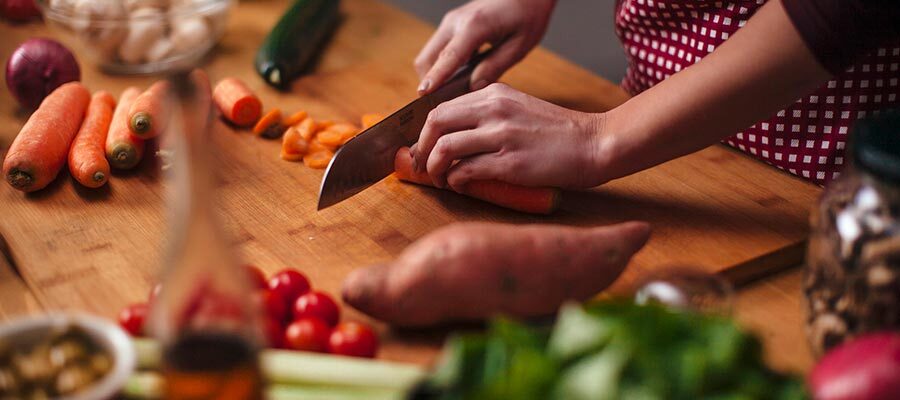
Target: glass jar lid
[[876, 146]]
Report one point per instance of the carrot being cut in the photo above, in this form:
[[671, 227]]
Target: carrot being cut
[[534, 200], [316, 146], [87, 158], [124, 150], [237, 102], [369, 120], [269, 126], [39, 151], [318, 159], [149, 113]]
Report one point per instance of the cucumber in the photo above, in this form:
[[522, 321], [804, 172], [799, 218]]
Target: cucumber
[[295, 40]]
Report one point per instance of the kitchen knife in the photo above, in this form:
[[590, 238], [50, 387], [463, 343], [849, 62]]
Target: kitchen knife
[[369, 157]]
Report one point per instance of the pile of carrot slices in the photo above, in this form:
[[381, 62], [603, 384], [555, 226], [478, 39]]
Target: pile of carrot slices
[[303, 139]]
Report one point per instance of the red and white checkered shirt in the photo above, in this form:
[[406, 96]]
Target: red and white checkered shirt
[[807, 139]]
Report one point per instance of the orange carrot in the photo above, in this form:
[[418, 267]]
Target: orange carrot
[[307, 129], [123, 150], [318, 159], [293, 146], [149, 113], [87, 159], [345, 132], [237, 102], [330, 137], [369, 120], [534, 200], [295, 118], [39, 151], [325, 124], [269, 126], [316, 146]]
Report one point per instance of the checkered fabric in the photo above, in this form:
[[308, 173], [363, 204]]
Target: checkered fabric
[[807, 139]]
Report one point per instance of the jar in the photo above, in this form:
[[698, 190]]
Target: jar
[[853, 259]]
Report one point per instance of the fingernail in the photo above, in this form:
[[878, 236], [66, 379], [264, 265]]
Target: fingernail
[[481, 84], [423, 87]]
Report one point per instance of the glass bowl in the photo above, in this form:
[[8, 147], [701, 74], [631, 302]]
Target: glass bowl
[[138, 36]]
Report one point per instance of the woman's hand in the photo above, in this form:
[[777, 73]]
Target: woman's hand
[[472, 271], [502, 134], [512, 27]]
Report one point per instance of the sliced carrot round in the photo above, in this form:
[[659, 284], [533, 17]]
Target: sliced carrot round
[[369, 120], [329, 137], [295, 118], [318, 160]]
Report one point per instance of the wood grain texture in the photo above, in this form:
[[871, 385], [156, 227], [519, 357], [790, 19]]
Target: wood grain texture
[[99, 250], [773, 308]]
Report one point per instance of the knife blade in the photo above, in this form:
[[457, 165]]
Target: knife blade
[[369, 157]]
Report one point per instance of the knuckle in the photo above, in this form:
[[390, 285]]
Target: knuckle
[[450, 53], [444, 147]]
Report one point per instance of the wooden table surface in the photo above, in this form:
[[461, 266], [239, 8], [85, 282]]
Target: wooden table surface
[[67, 248]]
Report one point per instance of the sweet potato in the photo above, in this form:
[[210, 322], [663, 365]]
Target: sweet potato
[[471, 271]]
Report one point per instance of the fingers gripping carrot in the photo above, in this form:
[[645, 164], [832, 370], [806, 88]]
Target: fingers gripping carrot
[[237, 102], [87, 159], [123, 150], [149, 114], [39, 151], [534, 200]]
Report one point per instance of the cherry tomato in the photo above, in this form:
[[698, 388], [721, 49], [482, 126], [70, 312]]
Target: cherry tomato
[[307, 334], [131, 318], [353, 339], [274, 332], [257, 278], [273, 305], [289, 284], [317, 304]]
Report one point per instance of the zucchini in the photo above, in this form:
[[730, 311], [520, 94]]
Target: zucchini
[[291, 46]]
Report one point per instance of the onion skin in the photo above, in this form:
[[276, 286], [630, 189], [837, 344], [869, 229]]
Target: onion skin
[[36, 68], [866, 368], [19, 10]]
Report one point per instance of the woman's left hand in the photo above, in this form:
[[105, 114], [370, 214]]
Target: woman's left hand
[[499, 133]]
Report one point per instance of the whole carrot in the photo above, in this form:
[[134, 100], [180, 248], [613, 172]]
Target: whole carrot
[[123, 150], [39, 151], [87, 160], [149, 113], [534, 200], [237, 102]]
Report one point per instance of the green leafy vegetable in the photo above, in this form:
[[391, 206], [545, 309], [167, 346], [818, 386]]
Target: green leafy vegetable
[[609, 350]]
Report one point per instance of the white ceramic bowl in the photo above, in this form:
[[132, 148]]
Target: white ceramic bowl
[[138, 36], [28, 331]]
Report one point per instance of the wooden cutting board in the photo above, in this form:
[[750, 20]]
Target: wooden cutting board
[[97, 250]]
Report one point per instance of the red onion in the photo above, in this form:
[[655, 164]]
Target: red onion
[[19, 10], [38, 67], [866, 368]]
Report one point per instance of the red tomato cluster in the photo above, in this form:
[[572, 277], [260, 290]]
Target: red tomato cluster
[[295, 317]]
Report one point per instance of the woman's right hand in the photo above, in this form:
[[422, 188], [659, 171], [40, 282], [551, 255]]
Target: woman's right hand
[[512, 27]]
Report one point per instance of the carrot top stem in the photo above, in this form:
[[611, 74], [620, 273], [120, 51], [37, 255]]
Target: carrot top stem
[[19, 179], [124, 156], [141, 122]]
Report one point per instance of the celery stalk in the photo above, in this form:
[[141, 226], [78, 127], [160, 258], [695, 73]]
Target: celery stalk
[[148, 386], [313, 369]]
